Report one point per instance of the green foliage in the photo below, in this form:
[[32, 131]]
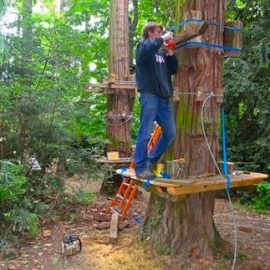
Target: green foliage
[[13, 211], [240, 4], [160, 11], [160, 206], [247, 92], [24, 221], [12, 182], [3, 7], [262, 202], [85, 197], [45, 112]]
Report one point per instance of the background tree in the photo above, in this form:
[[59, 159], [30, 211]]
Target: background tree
[[45, 112], [120, 98], [247, 88]]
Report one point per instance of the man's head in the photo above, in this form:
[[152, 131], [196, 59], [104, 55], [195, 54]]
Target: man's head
[[152, 30]]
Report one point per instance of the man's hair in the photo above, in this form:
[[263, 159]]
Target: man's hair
[[151, 26]]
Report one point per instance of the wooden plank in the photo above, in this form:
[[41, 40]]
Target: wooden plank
[[95, 88], [217, 184], [121, 86], [160, 182], [179, 187], [194, 185], [161, 192], [115, 161], [230, 165], [114, 228]]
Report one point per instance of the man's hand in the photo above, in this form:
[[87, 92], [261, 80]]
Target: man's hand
[[171, 46], [167, 36]]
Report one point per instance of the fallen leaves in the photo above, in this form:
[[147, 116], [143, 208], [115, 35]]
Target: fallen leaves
[[47, 233]]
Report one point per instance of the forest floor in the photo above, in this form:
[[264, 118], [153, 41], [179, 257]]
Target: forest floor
[[44, 251]]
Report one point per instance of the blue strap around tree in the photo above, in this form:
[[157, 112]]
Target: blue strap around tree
[[224, 152], [209, 45], [196, 20]]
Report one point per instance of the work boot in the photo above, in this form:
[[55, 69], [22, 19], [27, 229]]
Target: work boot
[[145, 174]]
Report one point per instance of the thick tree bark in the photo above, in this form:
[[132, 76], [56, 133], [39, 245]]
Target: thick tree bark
[[187, 227], [120, 101]]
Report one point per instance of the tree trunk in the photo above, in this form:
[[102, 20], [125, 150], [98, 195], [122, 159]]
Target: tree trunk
[[27, 33], [120, 101], [133, 22], [187, 226]]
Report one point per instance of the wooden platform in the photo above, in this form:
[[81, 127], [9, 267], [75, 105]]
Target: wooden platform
[[178, 187], [116, 163]]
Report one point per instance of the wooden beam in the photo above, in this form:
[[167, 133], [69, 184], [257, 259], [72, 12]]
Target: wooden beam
[[114, 228], [97, 88], [161, 192], [115, 161], [191, 33]]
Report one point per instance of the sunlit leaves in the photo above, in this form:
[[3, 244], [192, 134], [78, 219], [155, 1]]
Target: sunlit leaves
[[240, 4]]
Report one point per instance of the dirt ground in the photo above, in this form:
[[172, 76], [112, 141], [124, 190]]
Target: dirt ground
[[44, 251]]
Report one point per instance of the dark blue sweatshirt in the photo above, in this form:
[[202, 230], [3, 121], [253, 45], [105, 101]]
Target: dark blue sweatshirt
[[154, 68]]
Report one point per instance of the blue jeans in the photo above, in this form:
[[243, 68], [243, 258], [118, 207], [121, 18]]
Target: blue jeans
[[153, 108]]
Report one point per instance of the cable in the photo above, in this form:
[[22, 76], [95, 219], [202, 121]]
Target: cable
[[227, 189], [119, 124]]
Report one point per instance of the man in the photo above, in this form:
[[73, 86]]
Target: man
[[154, 68]]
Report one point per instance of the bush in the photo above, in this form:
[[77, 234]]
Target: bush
[[262, 202], [12, 182], [15, 214]]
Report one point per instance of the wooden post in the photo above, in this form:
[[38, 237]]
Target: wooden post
[[120, 100], [233, 38], [114, 228]]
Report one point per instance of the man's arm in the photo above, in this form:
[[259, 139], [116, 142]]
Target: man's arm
[[147, 48], [172, 64]]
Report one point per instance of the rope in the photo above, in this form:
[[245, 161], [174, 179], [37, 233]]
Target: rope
[[228, 182], [119, 124], [227, 189], [193, 93], [224, 151]]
